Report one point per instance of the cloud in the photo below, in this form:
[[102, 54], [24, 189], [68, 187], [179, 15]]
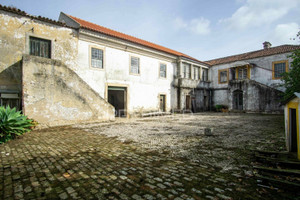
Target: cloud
[[284, 33], [199, 26], [256, 13]]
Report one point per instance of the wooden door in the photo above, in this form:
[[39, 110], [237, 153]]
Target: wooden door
[[162, 103]]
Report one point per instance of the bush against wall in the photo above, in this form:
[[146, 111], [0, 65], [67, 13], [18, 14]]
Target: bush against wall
[[13, 124]]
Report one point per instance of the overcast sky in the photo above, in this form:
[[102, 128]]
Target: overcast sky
[[204, 29]]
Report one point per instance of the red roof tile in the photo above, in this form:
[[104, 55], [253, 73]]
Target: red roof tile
[[255, 54], [23, 13], [103, 30]]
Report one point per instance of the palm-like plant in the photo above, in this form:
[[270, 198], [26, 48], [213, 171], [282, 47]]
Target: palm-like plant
[[12, 124]]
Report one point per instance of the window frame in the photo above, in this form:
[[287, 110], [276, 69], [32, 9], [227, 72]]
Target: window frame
[[139, 66], [27, 43], [184, 65], [219, 76], [196, 75], [238, 73], [90, 57], [161, 63], [286, 62], [202, 78]]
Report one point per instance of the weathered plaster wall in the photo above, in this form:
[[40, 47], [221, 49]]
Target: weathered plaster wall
[[143, 89], [256, 96], [259, 95], [14, 42], [262, 73], [56, 95], [220, 97]]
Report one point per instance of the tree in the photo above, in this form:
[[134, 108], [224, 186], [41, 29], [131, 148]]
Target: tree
[[291, 79]]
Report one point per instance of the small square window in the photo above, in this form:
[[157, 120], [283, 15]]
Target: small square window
[[134, 65], [279, 68], [39, 47], [162, 70], [97, 58]]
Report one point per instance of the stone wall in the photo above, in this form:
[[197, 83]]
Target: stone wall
[[54, 95], [14, 42], [257, 97]]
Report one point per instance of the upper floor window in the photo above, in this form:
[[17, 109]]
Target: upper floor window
[[134, 65], [97, 58], [39, 47], [162, 70], [186, 70], [242, 73], [196, 73], [279, 68], [205, 74], [223, 76]]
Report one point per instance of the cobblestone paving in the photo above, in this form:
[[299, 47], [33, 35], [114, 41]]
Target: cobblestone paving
[[76, 163]]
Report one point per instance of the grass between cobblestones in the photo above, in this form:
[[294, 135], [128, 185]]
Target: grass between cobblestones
[[99, 161]]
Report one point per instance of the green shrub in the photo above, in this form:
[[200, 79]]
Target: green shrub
[[12, 124], [219, 108]]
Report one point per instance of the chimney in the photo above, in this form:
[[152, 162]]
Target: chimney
[[267, 45]]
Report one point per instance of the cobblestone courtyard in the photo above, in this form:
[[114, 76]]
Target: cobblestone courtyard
[[165, 157]]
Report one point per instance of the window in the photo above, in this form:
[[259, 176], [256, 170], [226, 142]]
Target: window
[[10, 99], [279, 68], [242, 73], [223, 76], [196, 73], [40, 47], [186, 70], [97, 58], [162, 70], [205, 74], [134, 65]]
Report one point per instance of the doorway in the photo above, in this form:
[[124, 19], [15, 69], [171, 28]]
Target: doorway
[[238, 100], [117, 96], [162, 103], [188, 102], [293, 129]]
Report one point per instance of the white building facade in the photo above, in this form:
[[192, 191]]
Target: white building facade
[[133, 75]]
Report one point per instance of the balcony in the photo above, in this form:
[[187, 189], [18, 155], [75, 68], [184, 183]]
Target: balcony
[[190, 83]]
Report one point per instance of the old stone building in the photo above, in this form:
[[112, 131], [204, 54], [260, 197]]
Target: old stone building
[[35, 71], [137, 76], [71, 70], [251, 81]]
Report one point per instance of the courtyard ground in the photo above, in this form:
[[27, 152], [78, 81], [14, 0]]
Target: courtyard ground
[[166, 157]]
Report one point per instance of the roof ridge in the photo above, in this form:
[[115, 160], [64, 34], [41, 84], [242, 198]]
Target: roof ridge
[[23, 13], [119, 32], [253, 52], [131, 38]]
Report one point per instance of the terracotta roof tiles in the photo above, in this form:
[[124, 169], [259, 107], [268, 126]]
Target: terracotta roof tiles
[[255, 54], [110, 32], [23, 13]]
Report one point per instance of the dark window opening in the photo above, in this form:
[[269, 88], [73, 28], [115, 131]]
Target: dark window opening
[[40, 47], [11, 100]]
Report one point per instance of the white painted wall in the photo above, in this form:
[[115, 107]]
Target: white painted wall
[[143, 89]]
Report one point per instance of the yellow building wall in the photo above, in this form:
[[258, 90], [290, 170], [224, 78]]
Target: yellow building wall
[[294, 104]]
